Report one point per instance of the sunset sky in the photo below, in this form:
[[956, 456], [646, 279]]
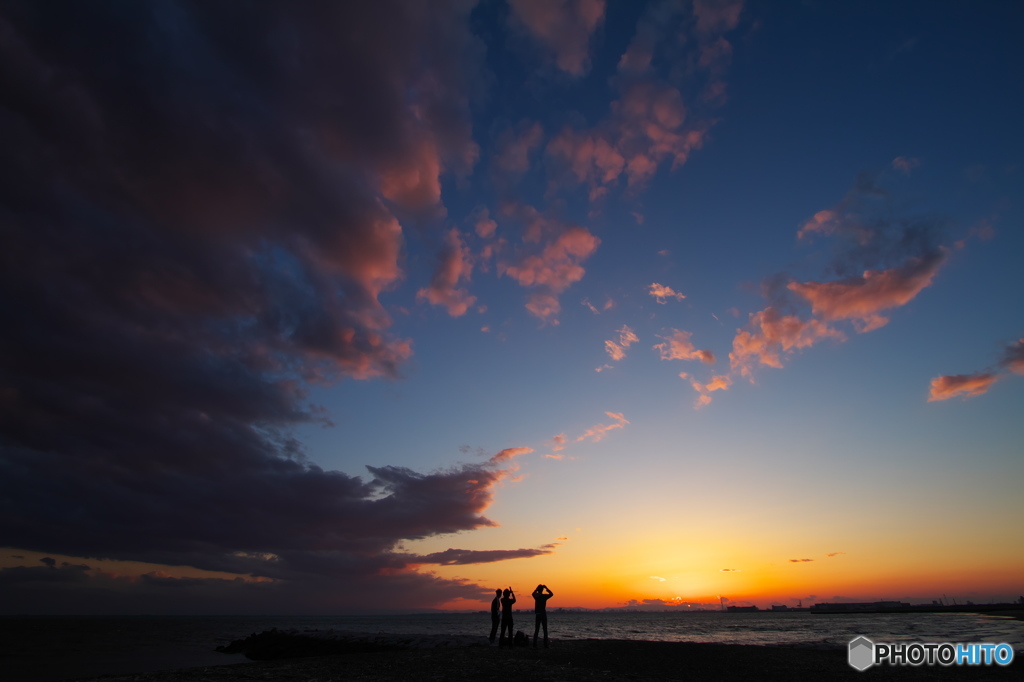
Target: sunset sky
[[328, 307]]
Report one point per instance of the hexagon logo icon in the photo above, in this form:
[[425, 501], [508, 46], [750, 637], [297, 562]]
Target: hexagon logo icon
[[862, 653]]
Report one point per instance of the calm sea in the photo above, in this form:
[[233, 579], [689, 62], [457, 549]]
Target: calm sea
[[54, 648]]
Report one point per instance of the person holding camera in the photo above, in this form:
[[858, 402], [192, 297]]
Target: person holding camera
[[540, 600], [507, 600]]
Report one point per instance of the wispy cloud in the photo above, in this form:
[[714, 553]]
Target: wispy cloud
[[799, 561], [679, 347], [731, 570], [830, 554], [658, 578], [599, 431], [720, 382], [509, 453], [617, 351], [662, 293]]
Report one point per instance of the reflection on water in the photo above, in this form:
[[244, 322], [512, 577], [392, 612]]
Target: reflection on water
[[51, 648]]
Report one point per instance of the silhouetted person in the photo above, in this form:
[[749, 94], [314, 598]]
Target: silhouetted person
[[495, 614], [540, 610], [507, 600]]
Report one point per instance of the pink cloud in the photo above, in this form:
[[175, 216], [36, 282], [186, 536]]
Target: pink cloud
[[484, 225], [558, 442], [645, 130], [597, 432], [861, 299], [509, 453], [544, 306], [770, 334], [454, 267], [720, 382], [617, 351], [679, 347], [649, 124], [563, 27], [590, 156], [556, 267], [661, 293], [971, 385], [614, 350], [823, 222]]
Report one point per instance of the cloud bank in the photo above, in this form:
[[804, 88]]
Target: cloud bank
[[200, 218]]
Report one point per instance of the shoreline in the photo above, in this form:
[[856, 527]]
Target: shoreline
[[582, 660]]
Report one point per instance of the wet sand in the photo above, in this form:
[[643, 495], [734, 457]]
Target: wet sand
[[575, 660]]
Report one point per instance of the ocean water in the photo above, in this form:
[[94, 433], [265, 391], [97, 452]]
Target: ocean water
[[42, 649]]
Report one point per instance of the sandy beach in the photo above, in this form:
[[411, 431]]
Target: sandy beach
[[575, 660]]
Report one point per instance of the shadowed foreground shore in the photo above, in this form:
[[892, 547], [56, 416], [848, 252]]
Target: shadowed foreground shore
[[574, 660]]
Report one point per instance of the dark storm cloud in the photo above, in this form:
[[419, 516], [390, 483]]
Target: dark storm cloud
[[197, 211], [45, 575]]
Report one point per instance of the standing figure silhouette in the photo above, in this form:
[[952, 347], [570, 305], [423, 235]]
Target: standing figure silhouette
[[495, 614], [507, 600], [540, 601]]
